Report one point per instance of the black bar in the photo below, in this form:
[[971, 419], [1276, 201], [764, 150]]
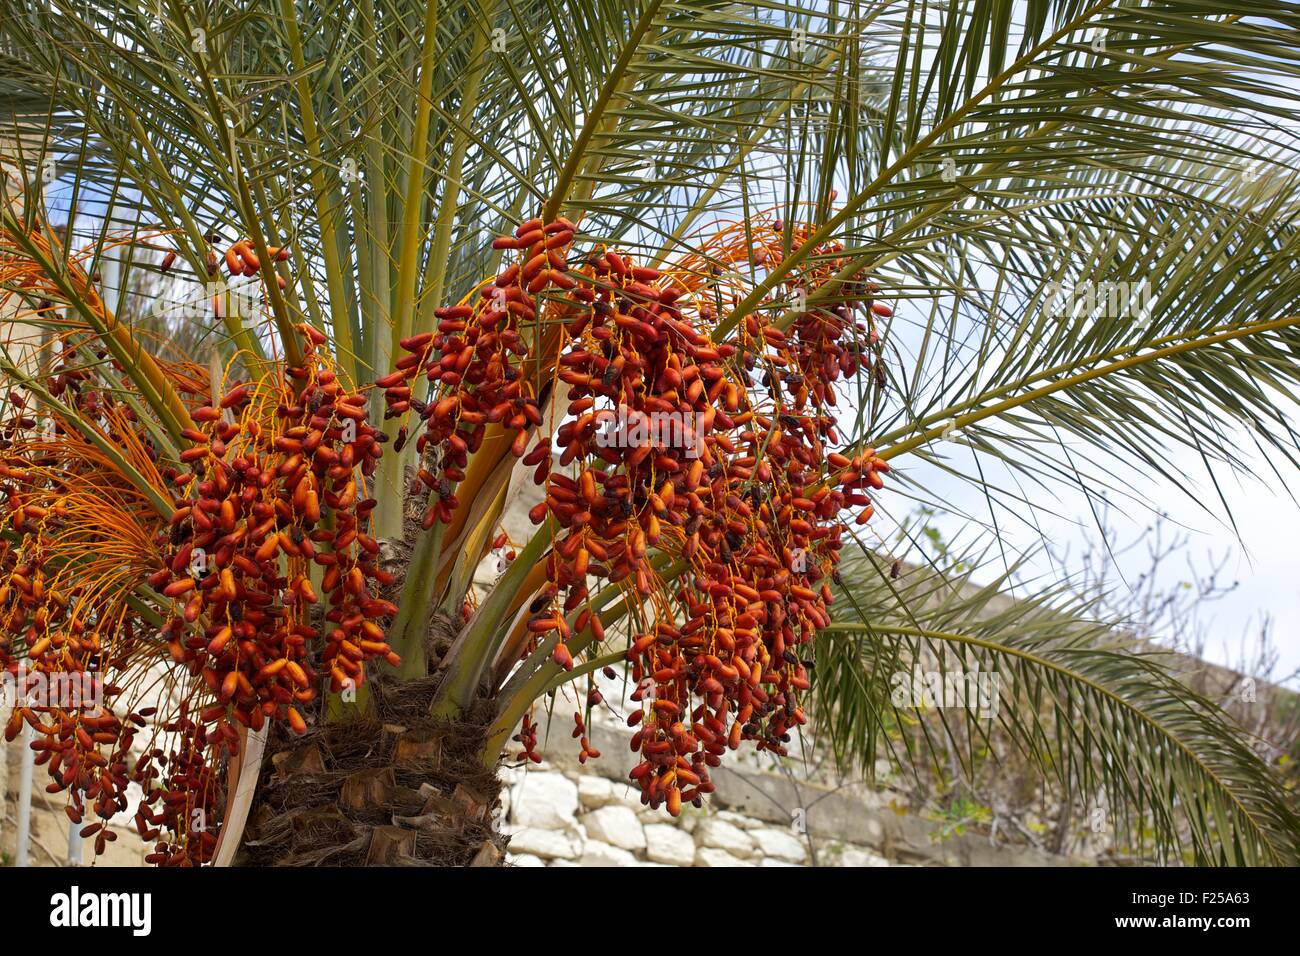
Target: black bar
[[959, 905]]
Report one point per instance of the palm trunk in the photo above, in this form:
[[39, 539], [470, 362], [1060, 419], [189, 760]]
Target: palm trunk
[[394, 787]]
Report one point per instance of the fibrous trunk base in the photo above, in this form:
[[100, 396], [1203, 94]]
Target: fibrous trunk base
[[395, 787]]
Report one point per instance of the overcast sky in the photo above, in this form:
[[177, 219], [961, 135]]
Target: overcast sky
[[1260, 556]]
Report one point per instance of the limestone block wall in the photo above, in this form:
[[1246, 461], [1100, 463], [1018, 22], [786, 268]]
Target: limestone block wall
[[562, 813]]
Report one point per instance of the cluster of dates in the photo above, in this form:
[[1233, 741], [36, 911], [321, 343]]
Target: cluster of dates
[[734, 484], [269, 463], [269, 559], [55, 661], [69, 531], [268, 565], [683, 454], [472, 362]]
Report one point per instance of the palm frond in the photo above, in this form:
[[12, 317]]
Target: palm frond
[[1095, 710]]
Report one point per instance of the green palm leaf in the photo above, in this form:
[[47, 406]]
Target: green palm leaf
[[1092, 710]]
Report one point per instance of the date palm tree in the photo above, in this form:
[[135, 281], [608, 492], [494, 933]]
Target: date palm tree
[[874, 250]]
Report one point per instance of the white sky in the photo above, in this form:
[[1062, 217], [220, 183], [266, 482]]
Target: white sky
[[1263, 560]]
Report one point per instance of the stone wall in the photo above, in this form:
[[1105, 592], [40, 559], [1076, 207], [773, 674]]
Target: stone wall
[[562, 813]]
